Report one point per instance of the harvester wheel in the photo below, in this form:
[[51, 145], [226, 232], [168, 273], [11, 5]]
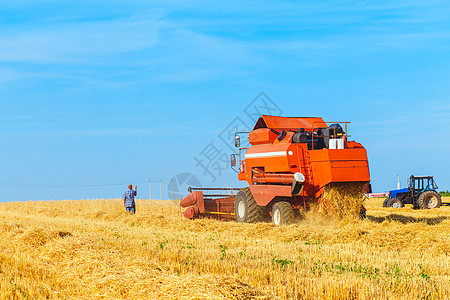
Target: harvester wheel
[[429, 199], [246, 209], [282, 213], [396, 203]]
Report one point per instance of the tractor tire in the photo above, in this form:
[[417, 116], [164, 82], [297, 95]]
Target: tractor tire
[[396, 203], [429, 199], [246, 209], [282, 213], [386, 202]]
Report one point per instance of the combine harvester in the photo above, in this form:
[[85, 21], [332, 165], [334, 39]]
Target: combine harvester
[[289, 167]]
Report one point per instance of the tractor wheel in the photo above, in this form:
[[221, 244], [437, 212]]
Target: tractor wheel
[[429, 199], [396, 203], [386, 202], [246, 209], [282, 213]]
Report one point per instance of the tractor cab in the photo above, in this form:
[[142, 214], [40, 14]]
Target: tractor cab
[[420, 184]]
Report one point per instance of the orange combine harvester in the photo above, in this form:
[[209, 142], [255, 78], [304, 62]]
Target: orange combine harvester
[[287, 167]]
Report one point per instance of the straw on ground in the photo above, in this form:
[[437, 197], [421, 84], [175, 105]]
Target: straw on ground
[[92, 249]]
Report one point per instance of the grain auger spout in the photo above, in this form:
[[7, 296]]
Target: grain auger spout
[[293, 165]]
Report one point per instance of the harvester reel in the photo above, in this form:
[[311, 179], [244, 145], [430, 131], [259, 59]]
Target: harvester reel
[[246, 209], [429, 199], [282, 213]]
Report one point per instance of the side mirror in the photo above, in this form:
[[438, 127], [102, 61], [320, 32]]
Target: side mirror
[[237, 141], [233, 160]]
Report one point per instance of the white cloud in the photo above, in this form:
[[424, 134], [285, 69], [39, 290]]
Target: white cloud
[[203, 44], [77, 42]]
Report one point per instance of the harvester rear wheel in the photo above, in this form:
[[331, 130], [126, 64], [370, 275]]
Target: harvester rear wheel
[[246, 209], [282, 213], [429, 199]]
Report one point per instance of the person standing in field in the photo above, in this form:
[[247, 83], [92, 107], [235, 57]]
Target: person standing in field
[[128, 198]]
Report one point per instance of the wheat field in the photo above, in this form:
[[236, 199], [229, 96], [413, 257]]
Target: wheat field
[[93, 249]]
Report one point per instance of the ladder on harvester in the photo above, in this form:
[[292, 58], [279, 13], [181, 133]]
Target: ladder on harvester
[[308, 168], [307, 172]]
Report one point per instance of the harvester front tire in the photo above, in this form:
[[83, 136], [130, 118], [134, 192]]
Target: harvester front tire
[[282, 213], [246, 209], [429, 199]]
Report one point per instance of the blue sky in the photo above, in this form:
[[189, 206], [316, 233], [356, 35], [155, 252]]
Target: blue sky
[[96, 94]]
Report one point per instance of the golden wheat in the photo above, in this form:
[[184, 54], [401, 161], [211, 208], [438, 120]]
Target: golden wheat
[[92, 249]]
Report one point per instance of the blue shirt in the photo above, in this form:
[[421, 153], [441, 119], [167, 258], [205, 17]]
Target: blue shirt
[[129, 197]]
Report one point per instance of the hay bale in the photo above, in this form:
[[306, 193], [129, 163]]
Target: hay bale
[[345, 198]]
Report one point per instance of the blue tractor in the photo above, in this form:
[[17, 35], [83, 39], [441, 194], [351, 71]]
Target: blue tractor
[[421, 193]]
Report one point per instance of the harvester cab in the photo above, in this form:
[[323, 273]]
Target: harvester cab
[[421, 193], [289, 165]]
